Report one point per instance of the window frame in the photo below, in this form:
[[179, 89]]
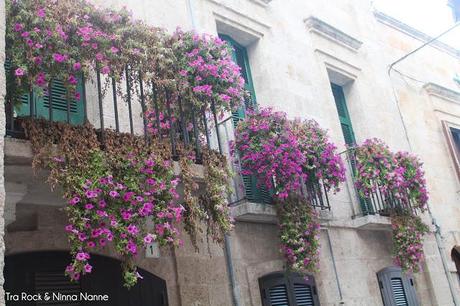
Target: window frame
[[453, 150]]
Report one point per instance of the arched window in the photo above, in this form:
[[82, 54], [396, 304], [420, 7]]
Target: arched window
[[396, 287], [283, 289]]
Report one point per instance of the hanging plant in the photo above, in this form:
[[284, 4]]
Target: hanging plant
[[268, 149], [413, 180], [299, 234], [400, 178], [208, 74], [112, 195], [375, 165], [283, 155], [322, 160], [408, 232]]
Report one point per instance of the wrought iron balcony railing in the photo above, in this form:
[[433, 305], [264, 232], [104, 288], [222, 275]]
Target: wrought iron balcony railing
[[124, 110], [381, 200]]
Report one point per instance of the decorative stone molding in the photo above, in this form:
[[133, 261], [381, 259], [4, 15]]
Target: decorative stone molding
[[326, 30], [406, 29], [442, 92]]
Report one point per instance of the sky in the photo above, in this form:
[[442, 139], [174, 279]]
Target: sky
[[429, 16]]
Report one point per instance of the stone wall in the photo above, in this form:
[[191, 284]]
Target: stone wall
[[296, 48]]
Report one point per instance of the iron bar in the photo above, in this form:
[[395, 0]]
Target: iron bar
[[171, 125], [141, 92], [216, 123], [99, 98], [128, 97], [205, 123], [183, 125], [115, 105]]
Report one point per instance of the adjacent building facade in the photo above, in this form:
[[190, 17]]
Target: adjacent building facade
[[312, 59]]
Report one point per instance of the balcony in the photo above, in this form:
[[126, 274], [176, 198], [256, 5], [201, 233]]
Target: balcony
[[256, 205], [378, 205]]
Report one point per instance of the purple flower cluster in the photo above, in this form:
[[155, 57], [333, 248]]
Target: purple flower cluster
[[107, 209], [206, 67], [269, 150], [284, 153]]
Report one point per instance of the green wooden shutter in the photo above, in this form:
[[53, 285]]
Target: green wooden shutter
[[240, 57], [41, 102], [59, 104], [344, 116]]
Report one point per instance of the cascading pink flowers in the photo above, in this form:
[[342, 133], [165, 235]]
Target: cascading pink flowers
[[269, 150], [207, 71], [63, 40], [107, 210], [284, 154], [399, 174], [400, 178]]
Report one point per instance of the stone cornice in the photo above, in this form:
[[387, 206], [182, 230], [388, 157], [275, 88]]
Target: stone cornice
[[332, 33], [406, 29], [442, 92]]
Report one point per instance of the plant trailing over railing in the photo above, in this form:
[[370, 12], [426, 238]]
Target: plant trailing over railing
[[123, 192], [399, 179], [408, 232], [50, 40], [119, 184], [207, 73], [284, 154]]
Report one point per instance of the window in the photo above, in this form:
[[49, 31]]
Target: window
[[40, 103], [240, 57], [342, 110], [452, 134], [281, 289], [397, 289]]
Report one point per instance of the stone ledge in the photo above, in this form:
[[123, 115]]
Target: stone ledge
[[369, 222], [247, 211], [254, 212], [19, 152], [326, 30]]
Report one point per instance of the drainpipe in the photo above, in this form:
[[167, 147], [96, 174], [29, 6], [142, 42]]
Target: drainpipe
[[227, 239], [437, 233], [339, 287]]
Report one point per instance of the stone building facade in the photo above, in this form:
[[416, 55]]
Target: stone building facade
[[295, 50]]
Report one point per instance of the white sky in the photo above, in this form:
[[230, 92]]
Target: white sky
[[429, 16]]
